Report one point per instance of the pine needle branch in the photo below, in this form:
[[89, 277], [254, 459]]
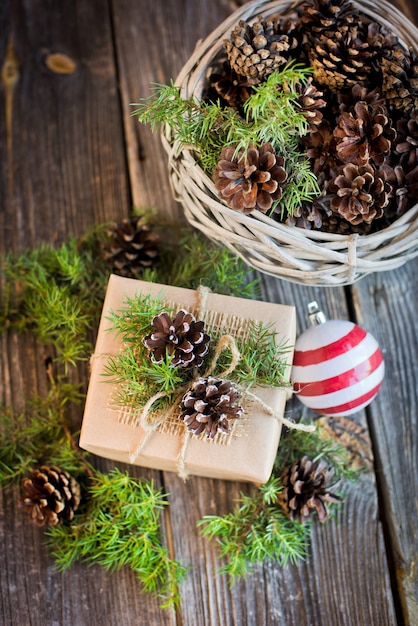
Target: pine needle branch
[[121, 528]]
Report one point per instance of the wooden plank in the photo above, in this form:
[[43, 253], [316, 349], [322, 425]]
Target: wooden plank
[[61, 126], [62, 145], [387, 304]]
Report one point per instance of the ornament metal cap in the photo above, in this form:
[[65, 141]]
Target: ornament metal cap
[[315, 315]]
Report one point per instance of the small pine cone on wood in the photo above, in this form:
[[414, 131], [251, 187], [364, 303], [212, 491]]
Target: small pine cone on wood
[[132, 247], [364, 134], [182, 337], [360, 193], [250, 180], [209, 405], [50, 495], [257, 50], [306, 490]]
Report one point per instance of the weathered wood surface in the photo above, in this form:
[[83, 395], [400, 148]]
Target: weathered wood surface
[[72, 156]]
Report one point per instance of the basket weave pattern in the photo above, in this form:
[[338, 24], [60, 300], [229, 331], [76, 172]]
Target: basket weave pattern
[[291, 253]]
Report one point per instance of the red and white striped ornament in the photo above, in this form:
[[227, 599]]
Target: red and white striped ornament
[[338, 366]]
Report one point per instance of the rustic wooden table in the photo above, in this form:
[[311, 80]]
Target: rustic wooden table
[[72, 156]]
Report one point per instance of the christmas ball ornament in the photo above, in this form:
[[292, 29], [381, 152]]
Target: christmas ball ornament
[[338, 366]]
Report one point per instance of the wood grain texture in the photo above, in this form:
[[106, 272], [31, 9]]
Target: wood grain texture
[[387, 304]]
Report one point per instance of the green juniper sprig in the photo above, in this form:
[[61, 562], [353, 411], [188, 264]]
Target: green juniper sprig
[[271, 115], [121, 527], [258, 528]]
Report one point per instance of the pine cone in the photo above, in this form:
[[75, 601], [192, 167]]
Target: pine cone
[[310, 101], [305, 490], [360, 193], [209, 405], [406, 145], [340, 61], [232, 88], [325, 17], [320, 147], [405, 190], [50, 495], [252, 180], [347, 100], [364, 134], [257, 50], [132, 247], [183, 337], [400, 78]]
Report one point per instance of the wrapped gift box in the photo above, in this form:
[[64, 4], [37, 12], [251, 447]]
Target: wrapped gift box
[[247, 454]]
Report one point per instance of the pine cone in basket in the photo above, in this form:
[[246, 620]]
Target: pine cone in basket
[[320, 147], [231, 87], [340, 61], [325, 17], [209, 405], [133, 246], [405, 189], [400, 78], [364, 134], [306, 490], [310, 101], [406, 145], [182, 337], [50, 495], [361, 192], [257, 50], [251, 180]]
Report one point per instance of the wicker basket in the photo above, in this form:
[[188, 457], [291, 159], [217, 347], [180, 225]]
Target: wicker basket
[[291, 253]]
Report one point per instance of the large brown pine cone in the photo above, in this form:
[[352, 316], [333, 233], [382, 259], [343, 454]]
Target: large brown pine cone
[[50, 495], [251, 180], [364, 134], [257, 50], [340, 61], [306, 490], [325, 17], [360, 193], [132, 247], [209, 405], [183, 338]]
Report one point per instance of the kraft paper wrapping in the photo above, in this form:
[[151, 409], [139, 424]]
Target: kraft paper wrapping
[[247, 454]]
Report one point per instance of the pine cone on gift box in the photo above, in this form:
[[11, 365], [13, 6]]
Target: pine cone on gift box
[[133, 246], [209, 405], [360, 193], [364, 134], [257, 50], [183, 338], [306, 490], [251, 180], [50, 495]]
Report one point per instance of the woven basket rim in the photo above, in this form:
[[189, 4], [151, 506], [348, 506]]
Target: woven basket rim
[[291, 253]]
